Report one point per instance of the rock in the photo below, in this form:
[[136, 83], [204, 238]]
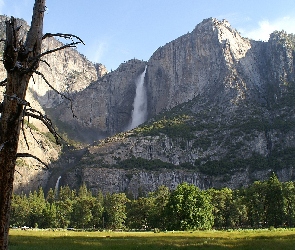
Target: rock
[[220, 113], [105, 106], [237, 96]]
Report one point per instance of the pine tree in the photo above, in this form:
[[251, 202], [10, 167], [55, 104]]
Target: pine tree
[[274, 202]]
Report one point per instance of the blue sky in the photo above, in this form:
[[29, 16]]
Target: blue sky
[[115, 31]]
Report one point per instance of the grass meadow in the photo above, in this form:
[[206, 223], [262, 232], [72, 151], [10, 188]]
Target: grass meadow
[[71, 240]]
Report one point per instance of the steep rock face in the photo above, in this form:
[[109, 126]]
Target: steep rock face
[[221, 111], [139, 164], [105, 106], [279, 60], [101, 70], [212, 60], [137, 182], [31, 174], [68, 72], [225, 116]]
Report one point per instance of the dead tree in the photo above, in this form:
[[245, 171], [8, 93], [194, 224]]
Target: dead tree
[[21, 60]]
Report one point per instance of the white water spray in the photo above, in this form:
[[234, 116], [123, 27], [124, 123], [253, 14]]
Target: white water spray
[[139, 112], [56, 186]]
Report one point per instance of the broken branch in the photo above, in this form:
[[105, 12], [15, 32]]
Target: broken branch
[[45, 120], [34, 60], [3, 83], [70, 45], [32, 156], [44, 61], [24, 134], [61, 94], [66, 36]]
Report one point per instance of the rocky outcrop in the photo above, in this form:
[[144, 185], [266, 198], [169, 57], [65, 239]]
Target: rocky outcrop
[[221, 112], [136, 182], [101, 70], [68, 72], [105, 106], [139, 182], [139, 164], [215, 61], [31, 174]]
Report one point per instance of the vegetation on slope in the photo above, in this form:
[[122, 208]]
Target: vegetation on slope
[[234, 130]]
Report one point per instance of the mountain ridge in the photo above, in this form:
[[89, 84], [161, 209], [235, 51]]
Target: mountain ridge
[[229, 115], [220, 113]]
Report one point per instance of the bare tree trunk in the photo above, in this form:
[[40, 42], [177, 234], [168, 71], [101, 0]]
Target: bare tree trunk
[[20, 61]]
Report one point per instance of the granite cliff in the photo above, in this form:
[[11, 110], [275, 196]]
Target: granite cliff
[[105, 106], [213, 62], [220, 113], [68, 72]]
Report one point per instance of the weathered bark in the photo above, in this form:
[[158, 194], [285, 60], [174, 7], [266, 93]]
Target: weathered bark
[[20, 61]]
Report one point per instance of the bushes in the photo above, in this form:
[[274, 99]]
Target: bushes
[[174, 127]]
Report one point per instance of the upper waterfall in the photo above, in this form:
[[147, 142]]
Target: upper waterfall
[[139, 113]]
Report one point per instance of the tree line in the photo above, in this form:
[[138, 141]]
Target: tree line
[[269, 203]]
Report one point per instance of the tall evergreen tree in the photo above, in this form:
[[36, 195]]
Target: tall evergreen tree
[[82, 208], [97, 211], [20, 210], [189, 208], [160, 198], [289, 203], [255, 200], [274, 202], [37, 206], [115, 210], [64, 206]]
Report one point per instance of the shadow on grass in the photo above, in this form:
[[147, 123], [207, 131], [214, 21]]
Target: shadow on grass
[[21, 242]]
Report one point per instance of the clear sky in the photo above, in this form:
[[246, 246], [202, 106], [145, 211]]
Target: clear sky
[[115, 31]]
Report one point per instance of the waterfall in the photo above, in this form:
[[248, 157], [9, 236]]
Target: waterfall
[[139, 112], [56, 186]]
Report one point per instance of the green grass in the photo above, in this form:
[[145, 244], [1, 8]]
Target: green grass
[[245, 239]]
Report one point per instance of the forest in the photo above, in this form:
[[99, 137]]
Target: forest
[[264, 204]]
